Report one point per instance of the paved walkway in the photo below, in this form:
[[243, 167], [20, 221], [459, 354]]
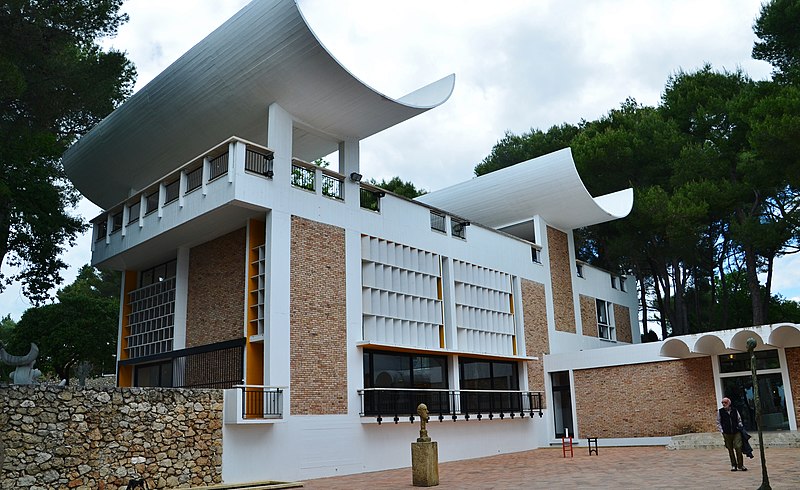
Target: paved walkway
[[624, 467]]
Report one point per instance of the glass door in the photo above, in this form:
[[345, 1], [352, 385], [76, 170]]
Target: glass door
[[773, 401], [562, 403], [737, 384]]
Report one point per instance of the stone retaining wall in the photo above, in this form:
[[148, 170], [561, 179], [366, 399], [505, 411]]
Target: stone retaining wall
[[64, 437]]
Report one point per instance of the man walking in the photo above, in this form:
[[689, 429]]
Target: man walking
[[729, 423]]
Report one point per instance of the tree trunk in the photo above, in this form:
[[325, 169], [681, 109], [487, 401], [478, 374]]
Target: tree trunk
[[768, 287], [681, 325], [756, 299], [643, 299]]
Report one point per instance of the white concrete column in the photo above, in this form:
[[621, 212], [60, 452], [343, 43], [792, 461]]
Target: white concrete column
[[125, 217], [142, 204], [181, 298], [353, 312], [349, 162], [182, 188], [449, 305], [109, 227], [236, 150], [162, 198], [206, 175], [519, 318], [279, 140], [277, 346]]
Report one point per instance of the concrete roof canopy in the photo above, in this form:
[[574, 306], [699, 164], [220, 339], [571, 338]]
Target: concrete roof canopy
[[726, 341], [222, 87], [548, 186]]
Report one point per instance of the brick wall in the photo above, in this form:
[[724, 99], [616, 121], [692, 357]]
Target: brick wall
[[646, 400], [793, 367], [215, 305], [537, 344], [318, 330], [73, 437], [622, 322], [589, 315], [561, 278]]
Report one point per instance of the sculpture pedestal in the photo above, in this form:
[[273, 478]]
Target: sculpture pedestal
[[425, 463]]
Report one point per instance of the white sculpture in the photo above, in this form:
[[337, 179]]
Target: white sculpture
[[25, 373]]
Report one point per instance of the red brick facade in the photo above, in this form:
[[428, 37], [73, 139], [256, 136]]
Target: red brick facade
[[318, 323], [622, 322], [534, 309], [561, 278], [646, 400], [793, 368], [589, 315], [215, 303]]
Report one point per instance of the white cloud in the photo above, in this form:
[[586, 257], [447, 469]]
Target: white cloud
[[518, 64]]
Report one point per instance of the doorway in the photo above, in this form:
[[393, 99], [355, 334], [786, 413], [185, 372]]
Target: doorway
[[562, 403], [737, 384], [773, 401]]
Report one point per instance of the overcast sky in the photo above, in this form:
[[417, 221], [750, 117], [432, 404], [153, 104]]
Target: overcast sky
[[518, 65]]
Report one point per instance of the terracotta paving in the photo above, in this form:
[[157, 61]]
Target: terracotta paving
[[623, 467]]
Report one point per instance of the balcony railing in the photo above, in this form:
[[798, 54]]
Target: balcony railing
[[219, 365], [399, 403], [218, 166], [261, 402]]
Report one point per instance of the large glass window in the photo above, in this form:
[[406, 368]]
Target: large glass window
[[605, 330], [765, 359], [737, 384], [395, 382], [489, 375], [154, 375]]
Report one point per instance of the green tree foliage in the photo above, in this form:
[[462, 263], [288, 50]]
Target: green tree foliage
[[80, 326], [715, 177], [399, 187], [779, 37], [55, 84], [513, 149], [7, 325]]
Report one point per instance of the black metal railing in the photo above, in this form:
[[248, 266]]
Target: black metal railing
[[370, 199], [303, 177], [258, 163], [332, 186], [133, 212], [261, 402], [219, 365], [102, 229], [151, 202], [116, 221], [194, 179], [401, 404], [171, 191], [218, 166]]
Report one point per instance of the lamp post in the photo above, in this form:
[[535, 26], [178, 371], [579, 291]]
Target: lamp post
[[751, 345]]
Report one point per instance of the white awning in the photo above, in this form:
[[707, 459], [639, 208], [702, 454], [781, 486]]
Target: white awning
[[548, 186], [730, 341], [222, 87]]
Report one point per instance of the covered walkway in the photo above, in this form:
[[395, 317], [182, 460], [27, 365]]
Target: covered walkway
[[625, 467]]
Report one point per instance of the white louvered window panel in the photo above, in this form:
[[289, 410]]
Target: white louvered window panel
[[484, 316], [401, 297]]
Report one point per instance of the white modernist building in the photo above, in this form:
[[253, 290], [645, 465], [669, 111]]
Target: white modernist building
[[328, 308]]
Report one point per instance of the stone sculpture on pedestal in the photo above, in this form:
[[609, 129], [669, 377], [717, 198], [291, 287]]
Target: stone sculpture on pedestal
[[25, 373], [424, 454]]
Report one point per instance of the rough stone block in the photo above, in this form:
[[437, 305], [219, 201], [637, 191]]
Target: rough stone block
[[425, 464]]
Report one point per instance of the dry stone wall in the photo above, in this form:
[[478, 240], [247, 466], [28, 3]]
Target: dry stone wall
[[64, 437]]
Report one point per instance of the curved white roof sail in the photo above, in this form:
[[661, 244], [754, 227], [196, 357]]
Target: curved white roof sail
[[548, 186], [222, 87]]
